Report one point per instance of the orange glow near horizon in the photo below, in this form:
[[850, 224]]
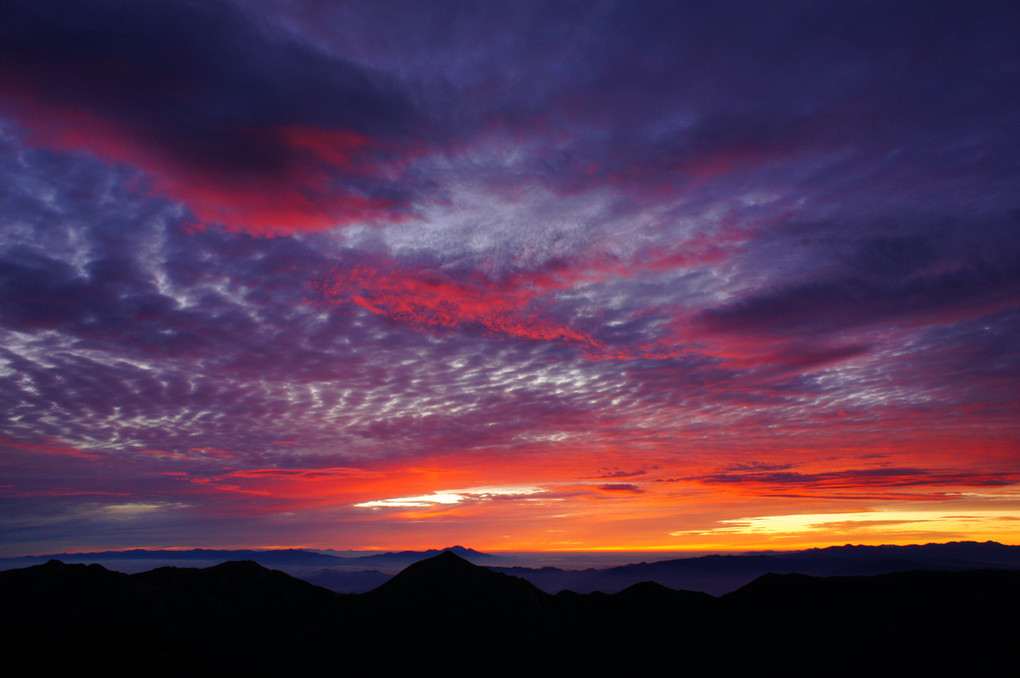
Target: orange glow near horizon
[[565, 502]]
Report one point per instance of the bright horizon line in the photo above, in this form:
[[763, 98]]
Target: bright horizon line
[[607, 549]]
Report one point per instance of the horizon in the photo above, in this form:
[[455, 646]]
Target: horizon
[[532, 276], [620, 552], [552, 571]]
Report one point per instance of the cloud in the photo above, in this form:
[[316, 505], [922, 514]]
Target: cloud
[[250, 129], [856, 480], [939, 298], [620, 487], [758, 466], [619, 473], [49, 447], [524, 304], [423, 298], [912, 522], [445, 497]]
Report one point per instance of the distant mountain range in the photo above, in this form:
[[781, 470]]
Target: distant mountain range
[[264, 557], [721, 574], [405, 558], [267, 557], [446, 616], [717, 574]]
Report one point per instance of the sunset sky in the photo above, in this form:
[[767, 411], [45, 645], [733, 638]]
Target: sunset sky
[[515, 275]]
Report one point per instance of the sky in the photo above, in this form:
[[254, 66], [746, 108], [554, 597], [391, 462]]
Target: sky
[[520, 276]]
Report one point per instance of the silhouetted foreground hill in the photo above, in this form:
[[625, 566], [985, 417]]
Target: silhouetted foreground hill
[[448, 615]]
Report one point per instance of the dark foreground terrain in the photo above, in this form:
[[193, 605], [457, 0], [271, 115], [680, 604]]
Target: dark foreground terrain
[[444, 615]]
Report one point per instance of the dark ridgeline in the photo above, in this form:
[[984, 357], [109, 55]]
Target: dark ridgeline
[[713, 574], [716, 574], [720, 574], [237, 618], [448, 616]]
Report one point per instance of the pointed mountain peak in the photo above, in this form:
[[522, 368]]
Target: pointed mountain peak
[[468, 553], [447, 566], [239, 566], [448, 580], [457, 548]]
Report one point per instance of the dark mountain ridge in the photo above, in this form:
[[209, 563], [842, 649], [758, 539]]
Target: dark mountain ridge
[[448, 582], [299, 562], [240, 618], [408, 557], [264, 557], [715, 574], [720, 574]]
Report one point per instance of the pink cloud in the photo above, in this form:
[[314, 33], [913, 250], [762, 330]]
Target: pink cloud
[[54, 447], [304, 191]]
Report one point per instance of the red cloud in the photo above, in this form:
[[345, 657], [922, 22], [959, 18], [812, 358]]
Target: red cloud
[[516, 305], [302, 180], [429, 300], [47, 447]]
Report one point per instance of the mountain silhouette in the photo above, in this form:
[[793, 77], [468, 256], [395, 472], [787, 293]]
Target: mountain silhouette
[[720, 574], [447, 582], [903, 623], [239, 618], [268, 558], [340, 571], [714, 574], [57, 618], [405, 558]]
